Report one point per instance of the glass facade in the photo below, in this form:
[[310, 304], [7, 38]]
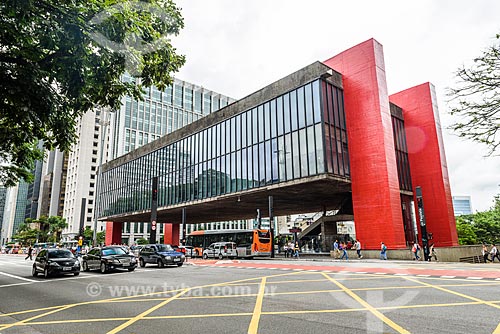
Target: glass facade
[[401, 154], [298, 134]]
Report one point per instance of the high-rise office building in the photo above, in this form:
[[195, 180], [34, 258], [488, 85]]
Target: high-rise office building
[[462, 205], [105, 135]]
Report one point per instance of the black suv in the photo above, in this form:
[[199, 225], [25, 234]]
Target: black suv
[[161, 255], [55, 261]]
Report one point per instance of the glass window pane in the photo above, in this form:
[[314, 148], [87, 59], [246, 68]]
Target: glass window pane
[[300, 107], [268, 163], [289, 157], [274, 160], [267, 118], [255, 125], [260, 112], [316, 101], [262, 165], [296, 154], [293, 110], [286, 112], [243, 130], [238, 131], [273, 119], [281, 158], [303, 153], [279, 111], [309, 105], [311, 150]]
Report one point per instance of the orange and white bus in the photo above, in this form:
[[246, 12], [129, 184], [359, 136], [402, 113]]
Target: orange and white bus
[[249, 243]]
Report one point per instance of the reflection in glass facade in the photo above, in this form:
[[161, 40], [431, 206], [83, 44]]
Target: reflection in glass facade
[[298, 134], [401, 153]]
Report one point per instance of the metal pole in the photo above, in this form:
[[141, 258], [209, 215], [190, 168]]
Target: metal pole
[[423, 227], [183, 241], [154, 210], [104, 122], [271, 223]]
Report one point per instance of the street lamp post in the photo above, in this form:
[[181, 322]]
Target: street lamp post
[[104, 122]]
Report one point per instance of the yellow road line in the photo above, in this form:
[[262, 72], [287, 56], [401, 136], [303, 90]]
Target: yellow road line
[[22, 322], [145, 313], [254, 323], [497, 330], [370, 308], [454, 292], [190, 316]]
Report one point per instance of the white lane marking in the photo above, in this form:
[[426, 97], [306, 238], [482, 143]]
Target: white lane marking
[[448, 276], [18, 277], [497, 279], [15, 284], [474, 277], [361, 272], [421, 275], [400, 274]]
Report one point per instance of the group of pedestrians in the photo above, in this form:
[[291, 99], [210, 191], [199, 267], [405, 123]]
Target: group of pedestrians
[[291, 249], [341, 248], [493, 253]]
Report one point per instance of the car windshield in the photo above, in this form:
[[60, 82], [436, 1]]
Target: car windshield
[[60, 253], [165, 248], [113, 251]]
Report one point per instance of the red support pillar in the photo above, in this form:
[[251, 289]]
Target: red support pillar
[[428, 166], [375, 187], [171, 233], [113, 233]]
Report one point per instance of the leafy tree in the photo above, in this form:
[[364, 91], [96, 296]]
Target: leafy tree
[[480, 227], [477, 97], [88, 235], [56, 225], [61, 59], [25, 235]]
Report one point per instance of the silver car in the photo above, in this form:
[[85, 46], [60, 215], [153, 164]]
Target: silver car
[[221, 250]]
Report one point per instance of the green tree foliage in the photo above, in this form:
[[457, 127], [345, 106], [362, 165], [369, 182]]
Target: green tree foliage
[[56, 225], [57, 61], [88, 235], [477, 97], [25, 235], [480, 227]]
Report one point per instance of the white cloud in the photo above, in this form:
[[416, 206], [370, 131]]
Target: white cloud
[[237, 47]]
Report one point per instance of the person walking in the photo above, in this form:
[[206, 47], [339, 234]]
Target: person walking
[[415, 250], [383, 251], [296, 249], [432, 253], [486, 254], [343, 248], [30, 254], [357, 246], [336, 251], [494, 253]]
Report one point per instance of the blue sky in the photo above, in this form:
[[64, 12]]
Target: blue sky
[[236, 47]]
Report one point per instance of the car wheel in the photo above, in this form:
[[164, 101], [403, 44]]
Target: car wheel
[[34, 273], [221, 256], [142, 263], [179, 264], [160, 263], [103, 268], [76, 274], [46, 273], [205, 256], [85, 266], [131, 269]]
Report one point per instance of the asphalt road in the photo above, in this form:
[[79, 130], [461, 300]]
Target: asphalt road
[[259, 296]]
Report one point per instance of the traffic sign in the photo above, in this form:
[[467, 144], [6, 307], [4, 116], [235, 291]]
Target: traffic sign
[[153, 225]]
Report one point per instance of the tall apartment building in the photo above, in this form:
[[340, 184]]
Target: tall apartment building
[[462, 205]]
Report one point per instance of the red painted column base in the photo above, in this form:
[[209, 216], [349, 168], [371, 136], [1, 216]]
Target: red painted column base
[[171, 234], [113, 233]]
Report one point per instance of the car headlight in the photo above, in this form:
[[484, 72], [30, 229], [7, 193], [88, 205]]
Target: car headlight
[[53, 264], [183, 256], [77, 264], [116, 261], [133, 260], [169, 257]]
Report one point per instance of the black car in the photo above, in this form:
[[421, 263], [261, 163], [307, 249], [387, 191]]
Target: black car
[[161, 255], [109, 258], [55, 261]]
